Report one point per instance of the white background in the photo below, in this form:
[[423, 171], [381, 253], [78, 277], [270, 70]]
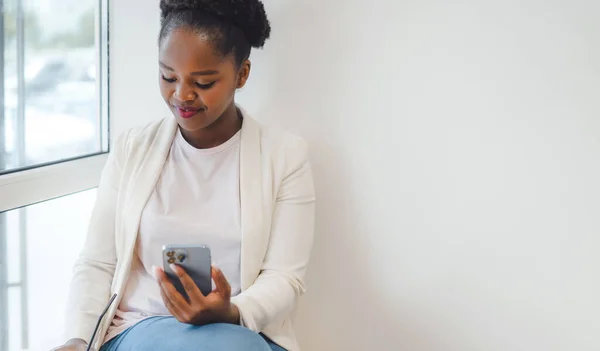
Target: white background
[[456, 150]]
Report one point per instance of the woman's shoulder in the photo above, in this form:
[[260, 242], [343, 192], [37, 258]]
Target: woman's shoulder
[[280, 138], [147, 132], [282, 144], [137, 140], [270, 137]]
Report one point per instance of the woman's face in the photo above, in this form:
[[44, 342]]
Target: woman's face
[[196, 82]]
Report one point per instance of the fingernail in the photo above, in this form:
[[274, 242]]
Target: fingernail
[[155, 272], [173, 267]]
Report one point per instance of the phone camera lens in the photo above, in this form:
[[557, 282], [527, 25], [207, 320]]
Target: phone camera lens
[[171, 260], [171, 253], [181, 257]]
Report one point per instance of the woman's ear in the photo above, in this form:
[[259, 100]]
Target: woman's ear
[[243, 74]]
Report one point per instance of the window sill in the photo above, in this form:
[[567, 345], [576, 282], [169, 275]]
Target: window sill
[[44, 183]]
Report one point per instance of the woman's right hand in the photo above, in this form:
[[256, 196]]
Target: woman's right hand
[[73, 345]]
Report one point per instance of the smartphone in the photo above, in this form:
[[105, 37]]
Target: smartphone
[[196, 261]]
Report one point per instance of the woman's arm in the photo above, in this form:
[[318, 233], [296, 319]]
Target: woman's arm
[[95, 267], [274, 294]]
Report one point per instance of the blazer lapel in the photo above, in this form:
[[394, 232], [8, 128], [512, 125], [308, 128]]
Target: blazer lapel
[[251, 201], [146, 176]]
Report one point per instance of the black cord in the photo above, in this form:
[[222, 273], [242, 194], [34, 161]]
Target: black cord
[[89, 347]]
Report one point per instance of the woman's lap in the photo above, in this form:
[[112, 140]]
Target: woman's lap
[[166, 333]]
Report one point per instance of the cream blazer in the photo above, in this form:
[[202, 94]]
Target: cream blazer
[[277, 216]]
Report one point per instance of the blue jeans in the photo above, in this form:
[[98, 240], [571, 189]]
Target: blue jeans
[[166, 334]]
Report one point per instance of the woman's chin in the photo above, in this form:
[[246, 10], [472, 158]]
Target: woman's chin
[[194, 123]]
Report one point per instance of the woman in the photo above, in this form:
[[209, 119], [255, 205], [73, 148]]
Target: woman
[[209, 176]]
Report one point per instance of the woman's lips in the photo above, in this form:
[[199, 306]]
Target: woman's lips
[[187, 112]]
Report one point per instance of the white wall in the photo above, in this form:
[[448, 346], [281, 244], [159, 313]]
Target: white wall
[[456, 151], [134, 94]]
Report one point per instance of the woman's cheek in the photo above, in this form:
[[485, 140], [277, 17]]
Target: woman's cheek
[[212, 97]]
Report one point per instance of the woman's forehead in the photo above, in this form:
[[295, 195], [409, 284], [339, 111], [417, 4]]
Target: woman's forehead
[[186, 50]]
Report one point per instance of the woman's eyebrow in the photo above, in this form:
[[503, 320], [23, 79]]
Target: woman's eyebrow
[[199, 73]]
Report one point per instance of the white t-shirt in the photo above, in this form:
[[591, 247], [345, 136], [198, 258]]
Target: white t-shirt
[[196, 201]]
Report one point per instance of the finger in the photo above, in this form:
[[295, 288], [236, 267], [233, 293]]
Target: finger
[[172, 310], [221, 283], [173, 300], [163, 284], [190, 287]]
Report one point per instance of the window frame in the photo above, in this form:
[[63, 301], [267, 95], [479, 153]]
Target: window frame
[[26, 186]]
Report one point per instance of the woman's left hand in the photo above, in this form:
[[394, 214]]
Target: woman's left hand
[[200, 310]]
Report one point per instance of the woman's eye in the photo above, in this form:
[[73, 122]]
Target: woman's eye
[[168, 80], [205, 86]]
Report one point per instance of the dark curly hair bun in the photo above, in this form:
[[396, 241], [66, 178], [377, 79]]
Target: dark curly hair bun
[[247, 15]]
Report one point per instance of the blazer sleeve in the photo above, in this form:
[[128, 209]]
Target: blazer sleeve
[[94, 270], [274, 294]]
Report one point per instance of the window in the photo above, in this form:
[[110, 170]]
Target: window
[[54, 86], [53, 98], [53, 143]]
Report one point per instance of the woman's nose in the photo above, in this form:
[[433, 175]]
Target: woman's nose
[[185, 93]]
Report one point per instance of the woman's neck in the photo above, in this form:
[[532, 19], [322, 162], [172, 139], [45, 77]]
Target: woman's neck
[[217, 133]]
